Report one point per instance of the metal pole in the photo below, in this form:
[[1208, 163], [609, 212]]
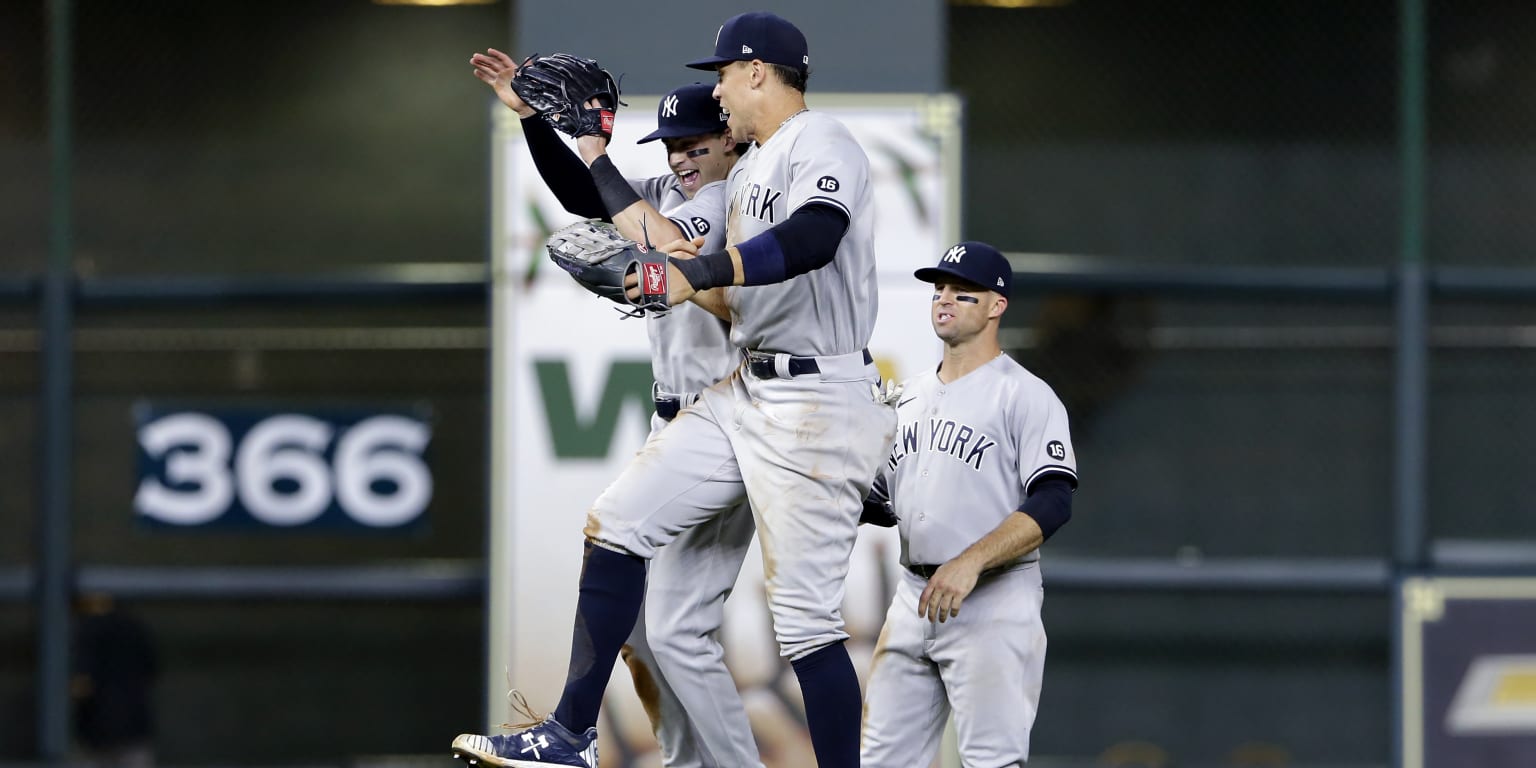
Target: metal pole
[[1412, 301], [56, 321], [1410, 407]]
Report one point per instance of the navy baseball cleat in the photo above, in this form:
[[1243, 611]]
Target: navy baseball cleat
[[539, 741], [548, 743]]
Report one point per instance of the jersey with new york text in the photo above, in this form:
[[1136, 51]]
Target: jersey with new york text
[[690, 348], [966, 453], [811, 159]]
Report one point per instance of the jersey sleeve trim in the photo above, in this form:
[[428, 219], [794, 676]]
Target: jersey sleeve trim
[[688, 230], [1052, 469], [823, 200]]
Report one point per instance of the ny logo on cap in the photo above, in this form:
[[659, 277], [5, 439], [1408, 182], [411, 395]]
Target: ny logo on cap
[[955, 254], [669, 106]]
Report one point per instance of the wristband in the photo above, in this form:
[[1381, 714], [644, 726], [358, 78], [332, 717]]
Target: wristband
[[711, 270], [615, 190]]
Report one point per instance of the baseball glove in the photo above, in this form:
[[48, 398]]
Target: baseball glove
[[598, 257], [559, 87]]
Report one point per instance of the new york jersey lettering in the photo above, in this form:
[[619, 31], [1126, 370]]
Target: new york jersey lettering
[[945, 436], [757, 201]]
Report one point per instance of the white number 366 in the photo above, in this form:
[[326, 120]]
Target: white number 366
[[377, 476]]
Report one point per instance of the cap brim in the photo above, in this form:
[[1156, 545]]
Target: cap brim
[[934, 274], [711, 64], [680, 132]]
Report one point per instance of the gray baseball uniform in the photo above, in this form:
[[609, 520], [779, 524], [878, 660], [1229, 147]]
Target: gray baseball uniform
[[796, 429], [964, 456], [829, 311], [700, 721]]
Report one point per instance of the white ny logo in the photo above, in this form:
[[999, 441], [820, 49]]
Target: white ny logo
[[954, 254], [535, 743], [669, 107]]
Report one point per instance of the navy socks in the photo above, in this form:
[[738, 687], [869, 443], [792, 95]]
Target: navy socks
[[612, 590], [833, 706]]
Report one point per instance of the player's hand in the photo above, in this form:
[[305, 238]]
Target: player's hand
[[678, 288], [713, 302], [948, 587], [590, 148], [683, 249], [496, 69]]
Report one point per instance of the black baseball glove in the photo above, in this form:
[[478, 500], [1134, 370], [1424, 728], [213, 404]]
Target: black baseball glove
[[559, 87], [598, 257]]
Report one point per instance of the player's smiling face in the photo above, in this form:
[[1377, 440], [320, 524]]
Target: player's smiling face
[[732, 89], [961, 309], [699, 160]]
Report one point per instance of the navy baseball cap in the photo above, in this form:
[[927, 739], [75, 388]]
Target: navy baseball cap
[[973, 262], [687, 111], [758, 35]]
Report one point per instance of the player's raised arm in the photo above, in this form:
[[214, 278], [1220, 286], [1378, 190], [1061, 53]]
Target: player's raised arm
[[562, 171], [497, 69], [700, 152], [634, 217]]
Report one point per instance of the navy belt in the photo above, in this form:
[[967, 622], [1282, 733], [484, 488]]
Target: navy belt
[[670, 404], [668, 408], [927, 571], [761, 364]]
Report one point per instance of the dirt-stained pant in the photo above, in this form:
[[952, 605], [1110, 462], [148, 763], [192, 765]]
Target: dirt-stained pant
[[802, 450], [699, 722]]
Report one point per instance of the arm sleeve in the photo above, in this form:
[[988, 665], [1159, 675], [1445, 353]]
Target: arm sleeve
[[805, 241], [562, 170], [1049, 503]]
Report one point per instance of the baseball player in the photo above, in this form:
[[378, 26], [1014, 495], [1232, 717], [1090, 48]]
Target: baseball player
[[799, 429], [980, 473], [701, 722]]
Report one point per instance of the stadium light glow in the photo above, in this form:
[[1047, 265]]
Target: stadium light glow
[[1012, 3], [433, 2]]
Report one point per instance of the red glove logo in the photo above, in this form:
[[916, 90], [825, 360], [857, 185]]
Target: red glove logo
[[655, 278]]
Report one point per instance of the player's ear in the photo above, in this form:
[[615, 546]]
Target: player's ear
[[999, 305]]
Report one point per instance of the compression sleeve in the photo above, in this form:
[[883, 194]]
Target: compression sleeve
[[805, 241], [562, 170], [1049, 502]]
